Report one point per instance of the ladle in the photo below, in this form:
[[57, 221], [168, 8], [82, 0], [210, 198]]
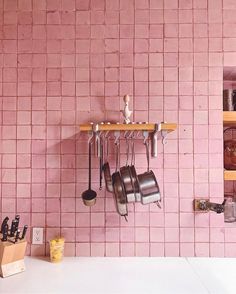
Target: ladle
[[89, 196]]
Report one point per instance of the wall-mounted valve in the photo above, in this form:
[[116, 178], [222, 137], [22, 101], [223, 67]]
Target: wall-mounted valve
[[204, 205]]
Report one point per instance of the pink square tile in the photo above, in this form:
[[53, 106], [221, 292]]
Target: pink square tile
[[202, 249], [82, 249], [142, 249], [69, 249], [141, 234], [53, 219], [112, 250], [187, 249], [112, 234], [127, 249], [98, 249], [97, 234], [127, 234], [172, 249]]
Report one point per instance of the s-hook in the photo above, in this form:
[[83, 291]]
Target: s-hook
[[164, 134]]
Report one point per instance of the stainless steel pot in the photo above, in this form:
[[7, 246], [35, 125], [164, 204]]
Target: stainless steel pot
[[126, 176], [128, 183], [147, 183], [149, 188]]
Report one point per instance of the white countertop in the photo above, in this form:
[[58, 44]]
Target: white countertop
[[124, 275]]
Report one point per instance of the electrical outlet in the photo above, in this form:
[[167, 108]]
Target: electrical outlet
[[37, 236]]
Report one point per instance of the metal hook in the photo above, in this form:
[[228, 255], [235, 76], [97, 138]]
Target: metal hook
[[117, 137], [145, 136], [90, 134], [164, 135]]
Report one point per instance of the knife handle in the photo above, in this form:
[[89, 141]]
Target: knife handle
[[17, 219], [13, 228], [17, 235], [24, 231], [4, 232], [6, 219]]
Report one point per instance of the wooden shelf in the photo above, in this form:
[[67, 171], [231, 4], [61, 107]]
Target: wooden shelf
[[230, 175], [229, 117], [169, 127]]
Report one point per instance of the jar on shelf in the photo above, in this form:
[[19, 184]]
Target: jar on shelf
[[229, 210]]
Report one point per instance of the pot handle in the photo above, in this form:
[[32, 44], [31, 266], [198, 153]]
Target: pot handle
[[145, 135]]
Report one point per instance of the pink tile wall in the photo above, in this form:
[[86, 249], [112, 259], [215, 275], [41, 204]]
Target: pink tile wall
[[65, 62]]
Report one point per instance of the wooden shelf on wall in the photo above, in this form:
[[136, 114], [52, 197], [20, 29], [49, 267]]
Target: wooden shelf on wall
[[229, 117], [230, 175], [169, 127]]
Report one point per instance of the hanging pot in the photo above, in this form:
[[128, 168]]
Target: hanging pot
[[126, 176], [147, 183]]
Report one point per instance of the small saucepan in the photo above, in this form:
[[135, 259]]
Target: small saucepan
[[147, 183]]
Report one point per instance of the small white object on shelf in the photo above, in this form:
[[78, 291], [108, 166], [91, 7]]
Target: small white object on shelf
[[126, 112]]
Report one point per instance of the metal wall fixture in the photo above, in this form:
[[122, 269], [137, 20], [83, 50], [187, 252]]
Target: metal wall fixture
[[204, 205], [125, 184]]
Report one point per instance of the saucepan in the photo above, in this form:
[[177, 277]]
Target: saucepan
[[147, 182], [126, 175]]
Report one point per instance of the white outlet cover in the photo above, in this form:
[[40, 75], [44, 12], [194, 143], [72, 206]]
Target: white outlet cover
[[37, 236]]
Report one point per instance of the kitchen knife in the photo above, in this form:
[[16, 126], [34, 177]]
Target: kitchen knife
[[17, 218], [4, 232], [17, 235], [6, 219], [24, 232], [13, 228]]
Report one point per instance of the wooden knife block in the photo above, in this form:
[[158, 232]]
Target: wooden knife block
[[12, 257]]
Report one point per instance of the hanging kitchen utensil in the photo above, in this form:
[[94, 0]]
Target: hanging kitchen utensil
[[106, 166], [134, 173], [100, 162], [89, 196], [147, 182], [126, 174], [118, 187]]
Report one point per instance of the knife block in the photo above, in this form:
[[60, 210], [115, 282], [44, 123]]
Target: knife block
[[12, 257]]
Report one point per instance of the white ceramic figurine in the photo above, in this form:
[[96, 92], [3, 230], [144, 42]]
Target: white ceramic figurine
[[126, 112]]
